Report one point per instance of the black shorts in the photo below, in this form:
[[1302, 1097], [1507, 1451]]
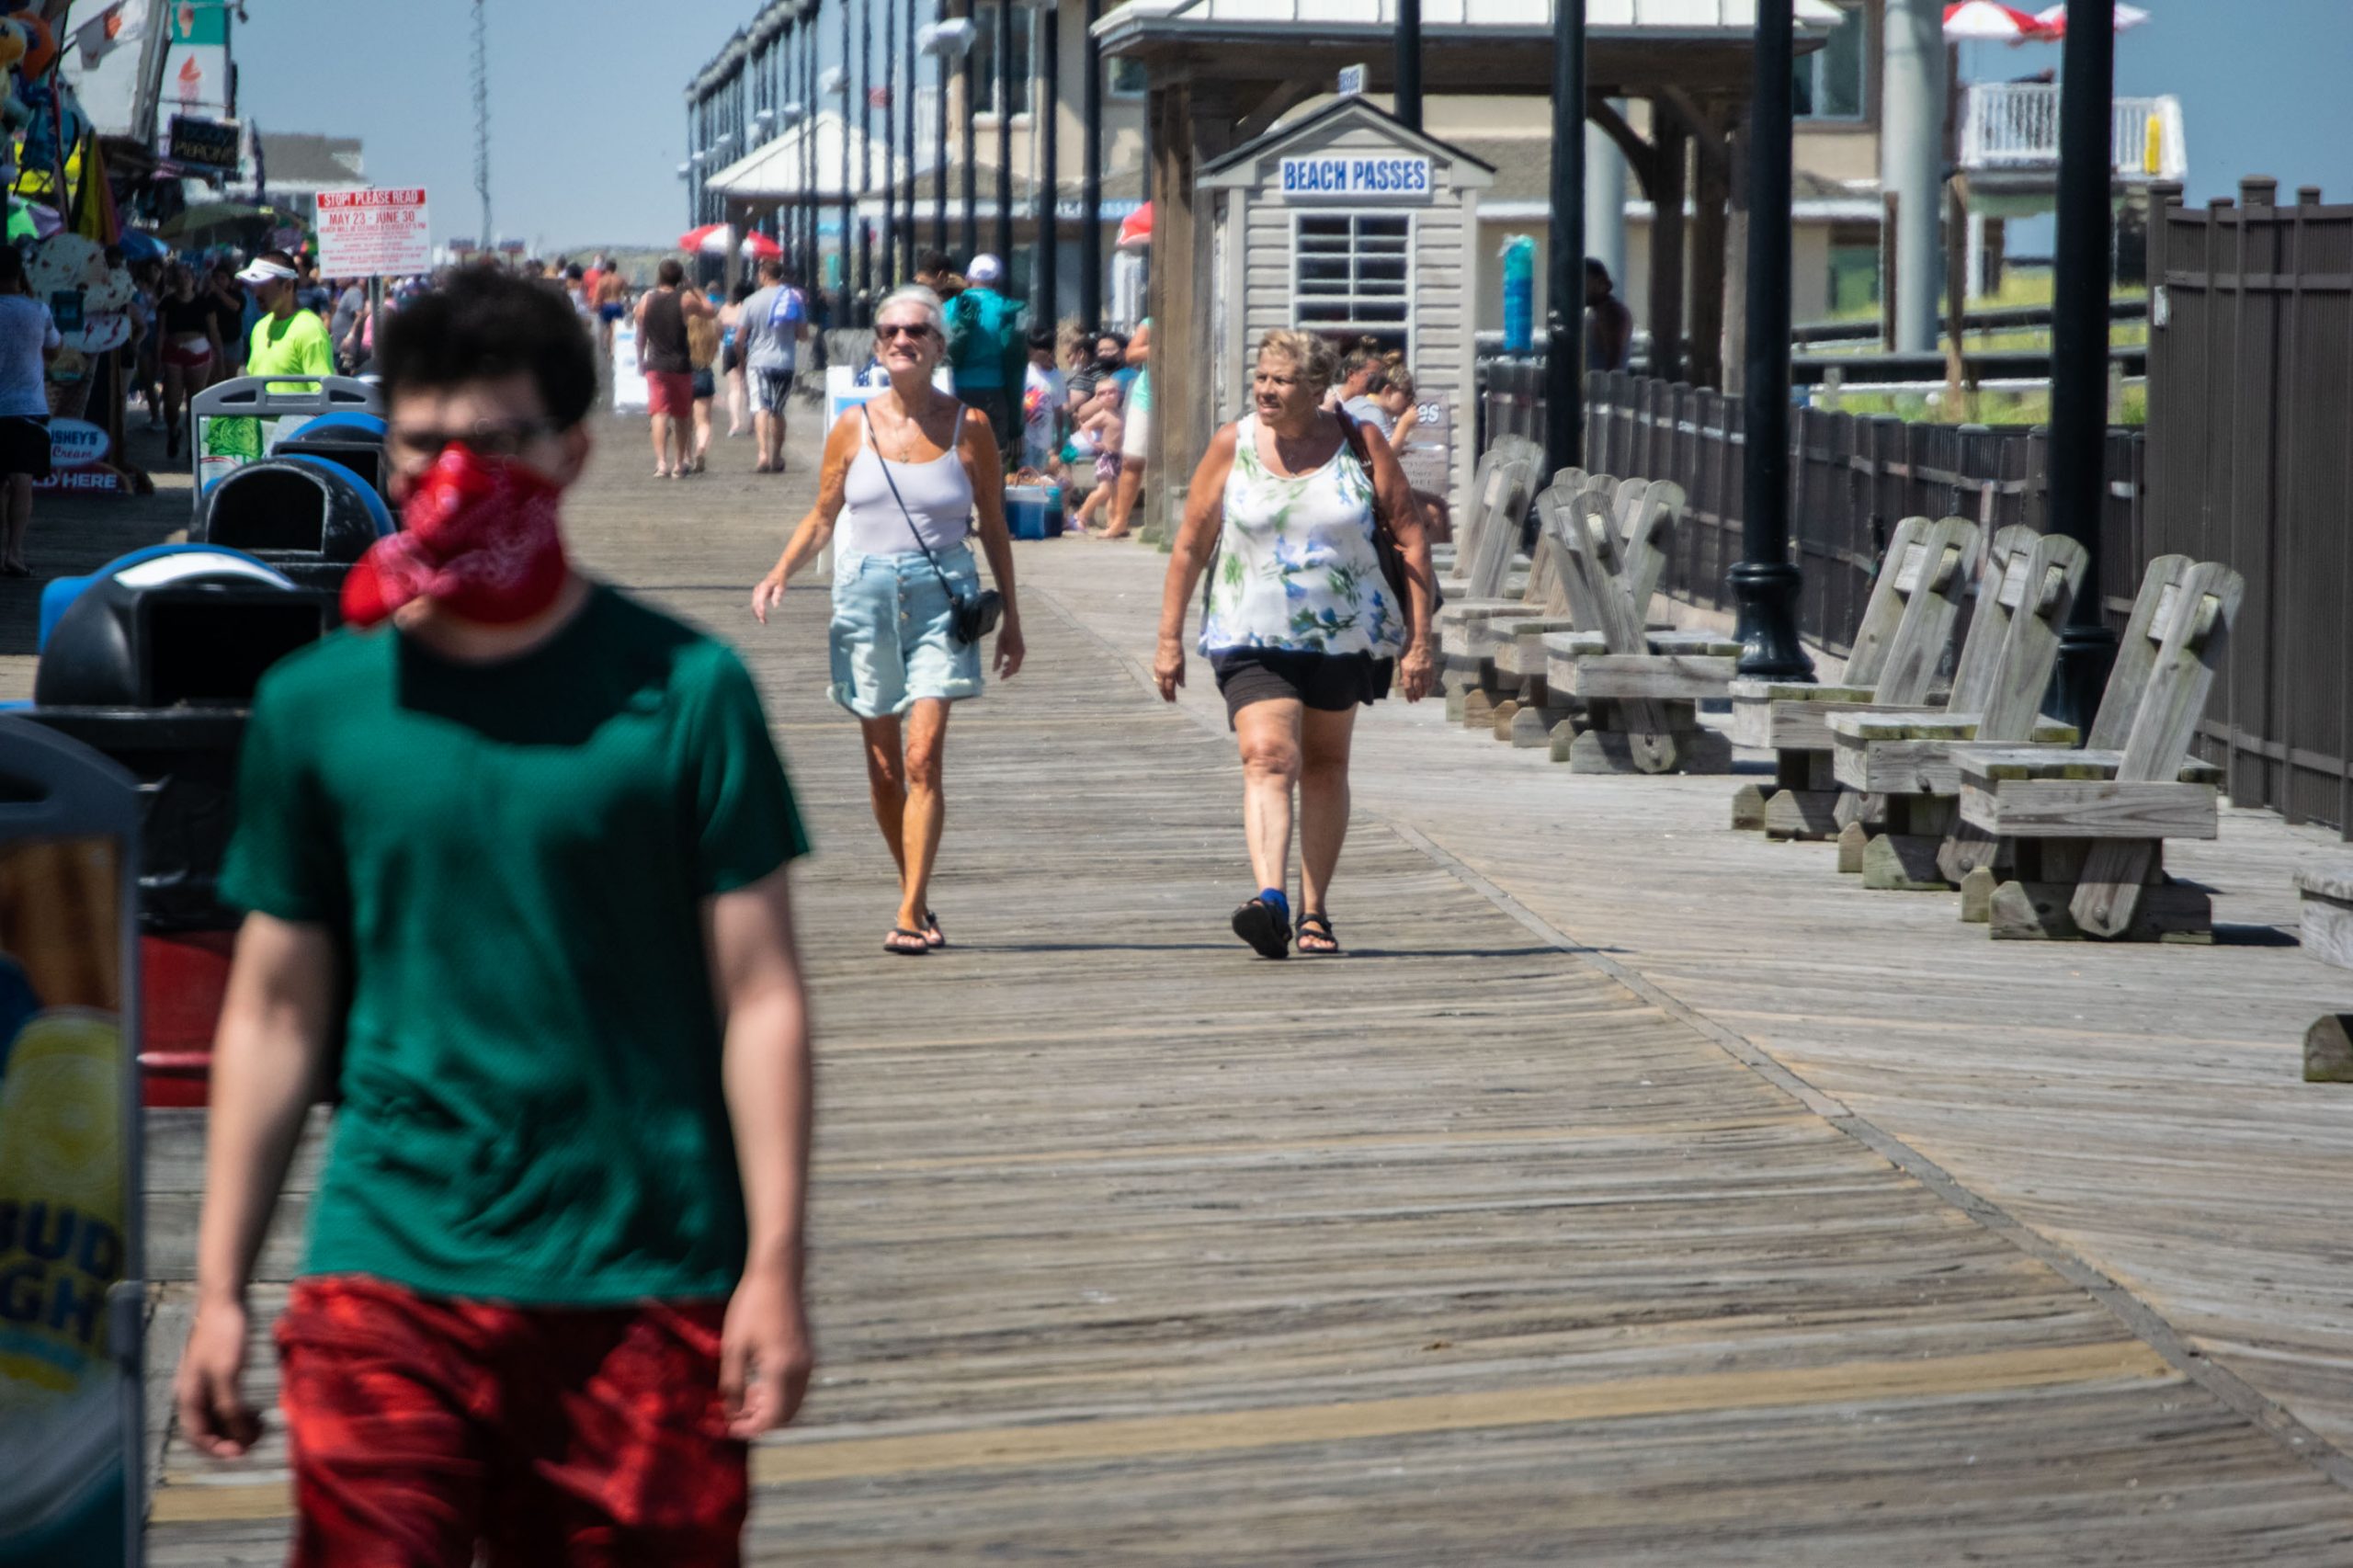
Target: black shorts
[[1329, 683], [731, 360], [24, 446], [705, 386]]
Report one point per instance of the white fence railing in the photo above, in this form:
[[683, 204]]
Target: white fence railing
[[2014, 125]]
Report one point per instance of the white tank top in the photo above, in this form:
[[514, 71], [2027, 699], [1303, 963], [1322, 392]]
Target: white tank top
[[937, 495]]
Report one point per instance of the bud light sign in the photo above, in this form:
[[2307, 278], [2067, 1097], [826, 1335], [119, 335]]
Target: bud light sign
[[75, 443], [1333, 176]]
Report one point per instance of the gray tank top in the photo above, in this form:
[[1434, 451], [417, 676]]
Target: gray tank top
[[937, 495]]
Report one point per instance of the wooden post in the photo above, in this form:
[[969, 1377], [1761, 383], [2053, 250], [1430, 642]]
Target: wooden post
[[1711, 200]]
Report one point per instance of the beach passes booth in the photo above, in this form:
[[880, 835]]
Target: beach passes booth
[[1347, 223]]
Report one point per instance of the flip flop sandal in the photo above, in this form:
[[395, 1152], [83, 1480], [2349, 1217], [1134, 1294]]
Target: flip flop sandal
[[906, 943], [1260, 924], [933, 935], [1317, 926]]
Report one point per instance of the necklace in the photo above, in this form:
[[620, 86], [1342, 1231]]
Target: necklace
[[908, 426]]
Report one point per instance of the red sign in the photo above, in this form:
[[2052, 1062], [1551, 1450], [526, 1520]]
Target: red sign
[[373, 234]]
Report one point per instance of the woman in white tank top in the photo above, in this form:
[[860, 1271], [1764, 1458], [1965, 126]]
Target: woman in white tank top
[[908, 480]]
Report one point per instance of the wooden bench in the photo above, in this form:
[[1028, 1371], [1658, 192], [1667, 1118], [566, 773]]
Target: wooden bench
[[1465, 660], [2325, 889], [1631, 525], [1907, 622], [1900, 761], [2089, 826], [1639, 691]]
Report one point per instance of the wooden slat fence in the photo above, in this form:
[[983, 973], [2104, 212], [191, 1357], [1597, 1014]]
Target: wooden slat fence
[[2250, 451]]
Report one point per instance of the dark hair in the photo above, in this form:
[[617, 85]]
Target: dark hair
[[1097, 341], [1596, 267], [1041, 337], [484, 324], [743, 292], [772, 267], [671, 273], [12, 266], [933, 262], [572, 274]]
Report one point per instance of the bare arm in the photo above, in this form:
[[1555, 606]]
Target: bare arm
[[841, 450], [976, 444], [268, 1065], [1189, 557], [1417, 667], [765, 1351], [1140, 346]]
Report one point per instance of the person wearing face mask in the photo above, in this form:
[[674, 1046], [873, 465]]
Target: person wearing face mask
[[911, 476], [514, 849]]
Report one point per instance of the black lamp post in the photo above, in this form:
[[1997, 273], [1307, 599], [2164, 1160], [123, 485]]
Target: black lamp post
[[907, 119], [1564, 269], [865, 153], [1048, 121], [2079, 346], [1408, 97], [939, 131], [1765, 583], [969, 232], [889, 143], [1090, 200], [1003, 232], [849, 282]]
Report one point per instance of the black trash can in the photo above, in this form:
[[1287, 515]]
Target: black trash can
[[155, 665], [355, 441], [305, 516]]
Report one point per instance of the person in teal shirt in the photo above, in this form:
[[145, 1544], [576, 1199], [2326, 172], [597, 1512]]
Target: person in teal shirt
[[984, 339], [515, 869]]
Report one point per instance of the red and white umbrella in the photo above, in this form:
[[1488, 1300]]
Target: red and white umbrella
[[713, 239], [2054, 21], [1983, 21]]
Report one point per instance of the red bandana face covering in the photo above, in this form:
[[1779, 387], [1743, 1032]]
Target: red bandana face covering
[[481, 540]]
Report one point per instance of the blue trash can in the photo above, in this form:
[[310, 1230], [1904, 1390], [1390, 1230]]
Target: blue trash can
[[305, 515]]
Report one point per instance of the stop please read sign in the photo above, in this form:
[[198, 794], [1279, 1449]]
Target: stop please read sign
[[370, 233]]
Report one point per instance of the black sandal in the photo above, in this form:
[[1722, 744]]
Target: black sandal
[[933, 936], [892, 944], [1318, 925], [1260, 924]]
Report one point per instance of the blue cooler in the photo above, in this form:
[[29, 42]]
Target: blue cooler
[[1033, 511]]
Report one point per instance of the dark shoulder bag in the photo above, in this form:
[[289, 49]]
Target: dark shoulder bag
[[1384, 537], [973, 618]]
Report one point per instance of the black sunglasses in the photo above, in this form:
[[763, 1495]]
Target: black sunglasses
[[508, 438], [887, 330]]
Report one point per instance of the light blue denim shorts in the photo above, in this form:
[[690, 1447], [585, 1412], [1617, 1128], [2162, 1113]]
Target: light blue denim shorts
[[892, 639]]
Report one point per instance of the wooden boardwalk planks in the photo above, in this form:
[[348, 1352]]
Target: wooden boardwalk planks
[[1130, 1247]]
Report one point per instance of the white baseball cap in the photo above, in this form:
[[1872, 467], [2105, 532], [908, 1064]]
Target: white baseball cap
[[986, 268], [264, 270]]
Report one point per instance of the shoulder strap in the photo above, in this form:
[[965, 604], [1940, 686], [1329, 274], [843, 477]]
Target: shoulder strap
[[1353, 434]]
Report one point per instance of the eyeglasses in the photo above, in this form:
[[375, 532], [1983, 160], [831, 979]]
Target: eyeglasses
[[889, 330], [486, 437]]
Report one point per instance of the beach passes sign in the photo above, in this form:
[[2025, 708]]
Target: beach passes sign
[[373, 234]]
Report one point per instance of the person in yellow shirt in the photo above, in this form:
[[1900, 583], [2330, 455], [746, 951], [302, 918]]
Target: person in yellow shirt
[[287, 340]]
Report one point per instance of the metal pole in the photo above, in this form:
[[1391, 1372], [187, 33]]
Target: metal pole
[[1763, 582], [1565, 271], [969, 234], [865, 153], [2079, 346], [1005, 15], [890, 142], [907, 237], [939, 140], [1911, 163], [1090, 200], [1050, 146], [1408, 97], [842, 242]]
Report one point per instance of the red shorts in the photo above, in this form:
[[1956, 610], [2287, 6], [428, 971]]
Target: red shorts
[[422, 1424], [670, 392]]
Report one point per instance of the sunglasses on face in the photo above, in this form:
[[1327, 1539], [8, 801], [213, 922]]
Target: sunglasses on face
[[486, 438], [886, 331]]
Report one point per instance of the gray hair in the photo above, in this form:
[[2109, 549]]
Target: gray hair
[[917, 295]]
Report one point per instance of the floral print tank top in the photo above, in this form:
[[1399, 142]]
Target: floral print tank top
[[1295, 566]]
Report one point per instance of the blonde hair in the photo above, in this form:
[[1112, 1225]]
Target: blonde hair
[[1394, 377], [915, 294], [1315, 359]]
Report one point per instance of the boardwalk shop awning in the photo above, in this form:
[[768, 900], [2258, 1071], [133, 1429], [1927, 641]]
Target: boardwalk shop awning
[[772, 170], [1634, 47]]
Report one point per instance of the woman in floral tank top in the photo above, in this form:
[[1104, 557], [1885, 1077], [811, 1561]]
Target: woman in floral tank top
[[1300, 625]]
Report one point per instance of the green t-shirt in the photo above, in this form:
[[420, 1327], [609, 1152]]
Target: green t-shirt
[[513, 858], [295, 347]]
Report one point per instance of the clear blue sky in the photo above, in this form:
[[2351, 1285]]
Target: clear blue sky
[[588, 119]]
